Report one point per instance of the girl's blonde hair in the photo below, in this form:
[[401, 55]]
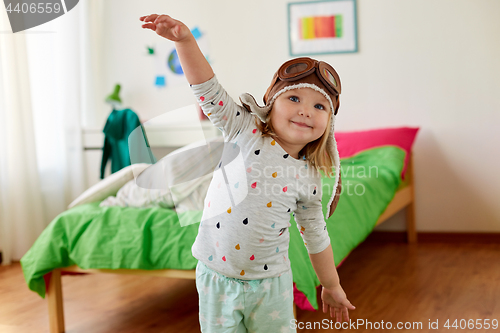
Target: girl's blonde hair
[[315, 151]]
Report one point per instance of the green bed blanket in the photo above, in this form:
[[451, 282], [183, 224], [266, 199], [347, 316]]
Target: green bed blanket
[[151, 238]]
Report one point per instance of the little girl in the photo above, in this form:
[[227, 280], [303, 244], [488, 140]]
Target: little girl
[[243, 276]]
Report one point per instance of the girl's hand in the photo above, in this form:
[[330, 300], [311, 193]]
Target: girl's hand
[[166, 26], [336, 301]]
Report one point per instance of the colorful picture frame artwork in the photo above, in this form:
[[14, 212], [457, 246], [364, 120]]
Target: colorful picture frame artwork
[[322, 27]]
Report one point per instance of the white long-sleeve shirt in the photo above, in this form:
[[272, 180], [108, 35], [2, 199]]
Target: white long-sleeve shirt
[[244, 229]]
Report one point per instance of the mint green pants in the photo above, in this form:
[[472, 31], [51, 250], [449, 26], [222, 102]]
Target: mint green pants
[[234, 305]]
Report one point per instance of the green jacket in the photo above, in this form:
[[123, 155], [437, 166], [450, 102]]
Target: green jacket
[[118, 127]]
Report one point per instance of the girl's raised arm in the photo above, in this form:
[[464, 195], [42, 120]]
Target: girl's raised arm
[[193, 62]]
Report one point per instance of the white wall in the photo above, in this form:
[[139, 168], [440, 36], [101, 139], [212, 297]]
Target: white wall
[[433, 64]]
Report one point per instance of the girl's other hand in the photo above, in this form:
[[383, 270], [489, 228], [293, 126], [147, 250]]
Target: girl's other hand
[[335, 301], [166, 26]]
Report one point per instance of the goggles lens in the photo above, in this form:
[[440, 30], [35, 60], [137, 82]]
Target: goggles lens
[[297, 68], [329, 77]]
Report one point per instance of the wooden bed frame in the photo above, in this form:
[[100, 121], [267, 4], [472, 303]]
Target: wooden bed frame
[[404, 198]]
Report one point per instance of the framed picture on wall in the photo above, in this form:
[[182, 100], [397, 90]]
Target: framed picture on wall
[[322, 27]]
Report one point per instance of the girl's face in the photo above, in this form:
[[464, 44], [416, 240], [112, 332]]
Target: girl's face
[[299, 116]]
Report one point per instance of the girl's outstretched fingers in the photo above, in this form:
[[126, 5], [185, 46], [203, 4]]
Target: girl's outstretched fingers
[[345, 312], [149, 26], [166, 26], [338, 314], [148, 18], [149, 21]]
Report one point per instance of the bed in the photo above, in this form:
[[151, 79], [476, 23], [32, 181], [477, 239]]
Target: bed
[[377, 178]]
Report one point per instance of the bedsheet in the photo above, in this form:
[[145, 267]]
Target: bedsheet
[[152, 238]]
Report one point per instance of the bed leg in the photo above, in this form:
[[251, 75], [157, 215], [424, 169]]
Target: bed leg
[[55, 303], [411, 229]]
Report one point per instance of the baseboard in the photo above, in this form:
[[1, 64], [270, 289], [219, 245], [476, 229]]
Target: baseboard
[[436, 237]]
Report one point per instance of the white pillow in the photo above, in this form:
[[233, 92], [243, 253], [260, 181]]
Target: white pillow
[[178, 181], [133, 195], [109, 185]]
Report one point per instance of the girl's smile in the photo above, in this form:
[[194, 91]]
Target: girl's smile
[[301, 124]]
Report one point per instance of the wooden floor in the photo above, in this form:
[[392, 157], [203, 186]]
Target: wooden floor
[[393, 282]]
